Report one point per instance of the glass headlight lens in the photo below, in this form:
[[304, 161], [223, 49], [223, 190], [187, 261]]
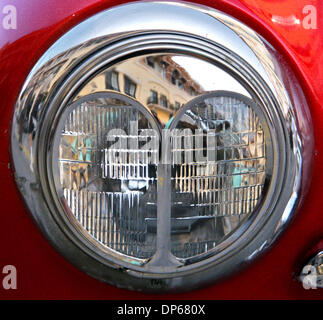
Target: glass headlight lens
[[107, 161], [219, 168], [107, 173]]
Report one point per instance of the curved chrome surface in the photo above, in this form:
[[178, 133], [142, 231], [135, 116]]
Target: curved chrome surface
[[311, 275], [219, 44]]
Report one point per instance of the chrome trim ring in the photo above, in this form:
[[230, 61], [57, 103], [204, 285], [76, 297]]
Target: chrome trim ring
[[185, 29]]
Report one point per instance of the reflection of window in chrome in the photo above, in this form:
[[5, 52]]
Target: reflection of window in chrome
[[180, 83], [177, 105], [175, 76], [112, 80], [150, 61], [153, 97], [163, 101], [177, 80], [192, 91], [164, 66], [129, 87]]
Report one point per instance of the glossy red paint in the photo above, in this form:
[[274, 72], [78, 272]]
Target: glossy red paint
[[43, 273]]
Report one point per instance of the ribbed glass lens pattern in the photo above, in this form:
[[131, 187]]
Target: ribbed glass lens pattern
[[218, 172], [108, 165], [108, 178]]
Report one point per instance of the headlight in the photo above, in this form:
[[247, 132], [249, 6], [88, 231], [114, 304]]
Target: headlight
[[220, 170], [160, 160], [104, 173]]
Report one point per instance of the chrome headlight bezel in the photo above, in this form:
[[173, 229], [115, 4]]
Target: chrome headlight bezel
[[193, 30]]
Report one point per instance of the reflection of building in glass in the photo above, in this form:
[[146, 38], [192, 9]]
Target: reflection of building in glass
[[155, 81]]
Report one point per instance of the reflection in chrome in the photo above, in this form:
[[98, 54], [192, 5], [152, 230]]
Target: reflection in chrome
[[311, 275], [163, 82]]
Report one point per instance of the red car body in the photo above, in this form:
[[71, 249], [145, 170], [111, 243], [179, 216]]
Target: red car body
[[41, 272]]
